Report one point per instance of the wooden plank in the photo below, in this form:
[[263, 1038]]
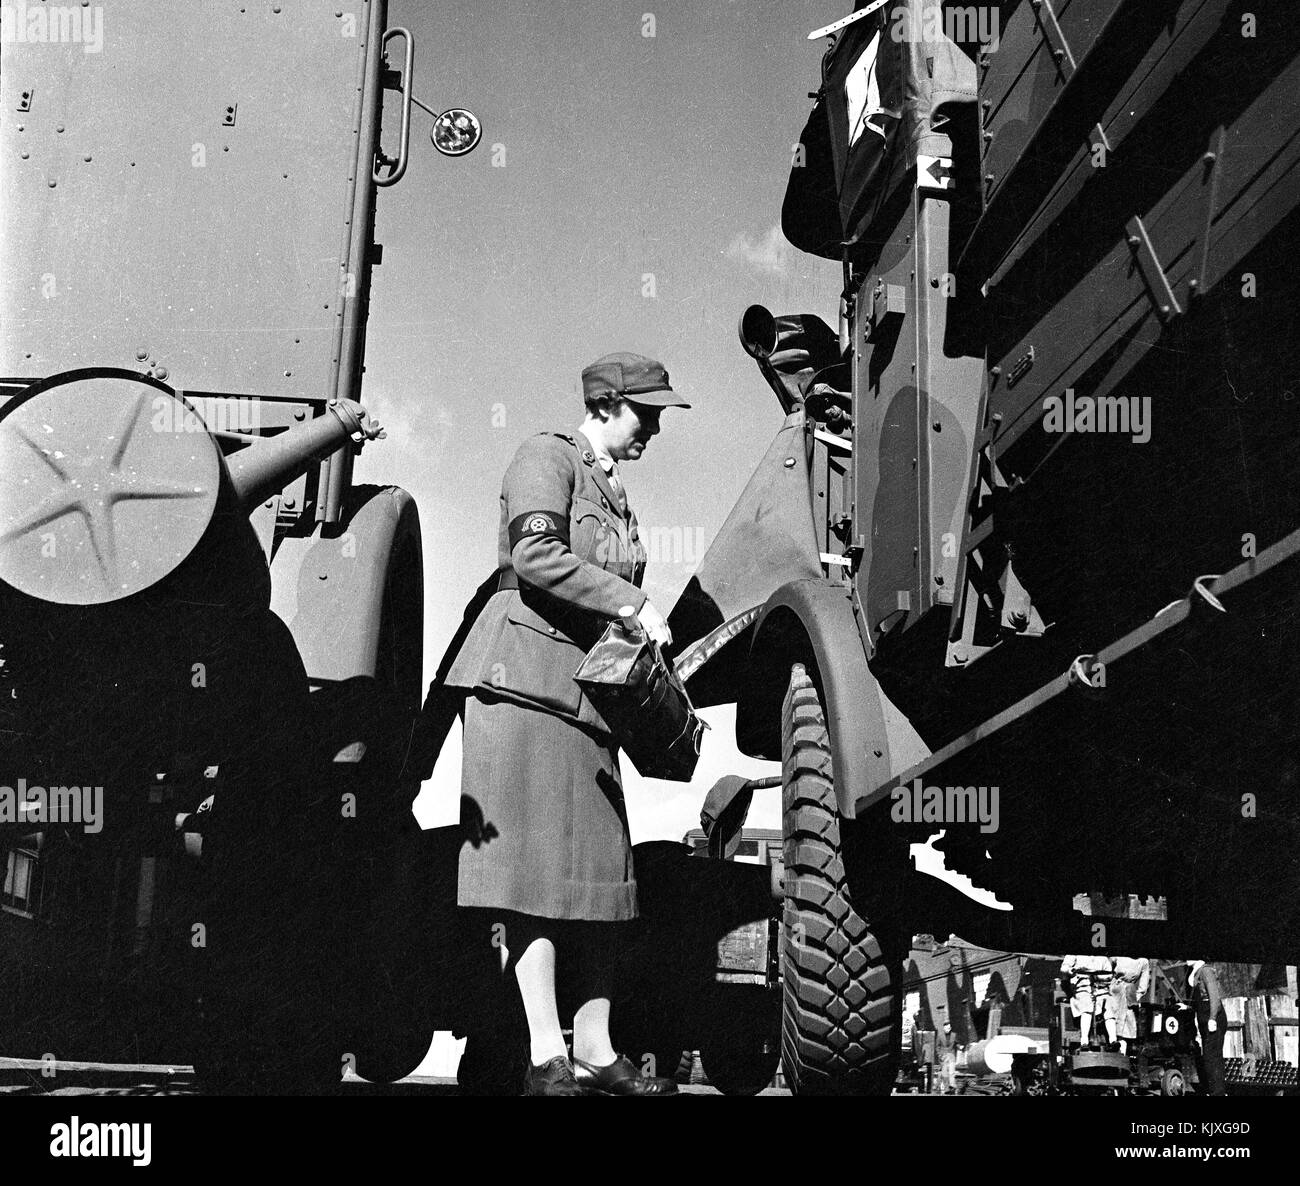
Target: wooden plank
[[1286, 1038], [1233, 1045], [1256, 1036]]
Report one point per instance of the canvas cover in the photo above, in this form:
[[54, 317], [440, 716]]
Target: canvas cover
[[887, 86]]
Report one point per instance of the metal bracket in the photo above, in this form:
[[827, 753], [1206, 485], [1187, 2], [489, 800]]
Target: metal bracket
[[1162, 295], [1055, 39], [1020, 368], [1213, 162], [25, 100], [228, 116], [888, 302]]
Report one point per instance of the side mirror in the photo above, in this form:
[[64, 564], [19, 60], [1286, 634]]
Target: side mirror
[[758, 332], [456, 132]]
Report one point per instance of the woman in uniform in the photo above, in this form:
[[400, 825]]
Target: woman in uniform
[[555, 878]]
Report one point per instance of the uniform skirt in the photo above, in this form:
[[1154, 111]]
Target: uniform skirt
[[553, 839]]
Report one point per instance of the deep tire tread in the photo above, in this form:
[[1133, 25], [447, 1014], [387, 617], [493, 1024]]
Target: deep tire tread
[[838, 1031]]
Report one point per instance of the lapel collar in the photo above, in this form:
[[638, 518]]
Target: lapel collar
[[597, 470]]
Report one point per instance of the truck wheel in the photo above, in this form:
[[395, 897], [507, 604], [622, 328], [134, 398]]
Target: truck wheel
[[745, 1071], [840, 1000], [1173, 1082]]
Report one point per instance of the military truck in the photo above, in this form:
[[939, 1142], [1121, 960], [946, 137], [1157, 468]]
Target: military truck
[[212, 635], [1019, 568]]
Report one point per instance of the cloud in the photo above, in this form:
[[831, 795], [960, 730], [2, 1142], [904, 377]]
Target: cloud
[[769, 254]]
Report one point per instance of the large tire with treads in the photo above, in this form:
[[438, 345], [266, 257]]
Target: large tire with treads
[[840, 1007]]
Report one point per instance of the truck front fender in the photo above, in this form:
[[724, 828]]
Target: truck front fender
[[354, 598], [812, 622]]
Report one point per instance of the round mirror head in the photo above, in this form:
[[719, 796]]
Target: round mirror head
[[456, 132], [758, 331]]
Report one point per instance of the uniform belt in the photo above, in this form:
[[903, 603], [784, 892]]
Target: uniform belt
[[507, 579]]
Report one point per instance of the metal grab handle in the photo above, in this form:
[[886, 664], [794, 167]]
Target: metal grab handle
[[407, 86]]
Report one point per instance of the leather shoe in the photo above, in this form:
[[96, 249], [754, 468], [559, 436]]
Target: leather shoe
[[553, 1077], [621, 1077]]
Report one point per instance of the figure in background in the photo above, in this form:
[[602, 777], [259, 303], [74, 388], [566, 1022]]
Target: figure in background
[[1089, 978], [1211, 1021], [1128, 986]]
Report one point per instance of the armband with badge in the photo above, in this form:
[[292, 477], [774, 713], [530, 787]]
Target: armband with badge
[[553, 524]]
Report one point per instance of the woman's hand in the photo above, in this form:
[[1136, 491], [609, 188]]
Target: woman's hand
[[654, 624]]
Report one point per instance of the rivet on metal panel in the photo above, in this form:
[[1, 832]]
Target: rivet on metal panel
[[1055, 39], [789, 463], [1162, 295], [141, 355], [937, 426], [300, 415], [53, 183], [938, 580], [87, 158], [25, 155]]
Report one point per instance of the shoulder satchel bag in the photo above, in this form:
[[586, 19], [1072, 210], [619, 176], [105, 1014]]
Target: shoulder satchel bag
[[643, 701]]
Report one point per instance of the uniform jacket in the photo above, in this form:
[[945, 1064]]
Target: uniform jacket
[[1207, 996], [579, 561], [1131, 973]]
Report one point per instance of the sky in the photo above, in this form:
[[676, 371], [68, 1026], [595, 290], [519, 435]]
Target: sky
[[626, 196]]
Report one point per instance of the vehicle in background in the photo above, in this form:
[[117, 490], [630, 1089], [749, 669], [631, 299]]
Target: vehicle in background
[[1019, 570], [211, 635]]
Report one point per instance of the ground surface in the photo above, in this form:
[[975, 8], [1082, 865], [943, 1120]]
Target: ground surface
[[19, 1077]]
